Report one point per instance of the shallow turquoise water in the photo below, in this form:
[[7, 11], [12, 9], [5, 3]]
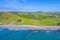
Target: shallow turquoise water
[[6, 34]]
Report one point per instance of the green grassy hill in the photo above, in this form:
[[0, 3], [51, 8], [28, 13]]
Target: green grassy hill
[[30, 18]]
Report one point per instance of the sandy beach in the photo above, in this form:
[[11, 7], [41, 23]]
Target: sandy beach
[[29, 27]]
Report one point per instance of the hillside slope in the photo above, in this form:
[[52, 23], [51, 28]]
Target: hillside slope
[[17, 18]]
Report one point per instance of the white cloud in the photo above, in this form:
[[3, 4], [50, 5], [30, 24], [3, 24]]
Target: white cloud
[[16, 0]]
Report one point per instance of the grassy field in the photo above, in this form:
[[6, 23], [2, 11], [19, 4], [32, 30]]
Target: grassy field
[[30, 18]]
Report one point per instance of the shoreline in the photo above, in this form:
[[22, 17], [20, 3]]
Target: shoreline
[[29, 27]]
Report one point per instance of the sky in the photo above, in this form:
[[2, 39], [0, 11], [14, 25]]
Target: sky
[[30, 5]]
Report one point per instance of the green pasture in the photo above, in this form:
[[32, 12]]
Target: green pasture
[[27, 18]]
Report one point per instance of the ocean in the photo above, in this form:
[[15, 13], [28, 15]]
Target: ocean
[[6, 34]]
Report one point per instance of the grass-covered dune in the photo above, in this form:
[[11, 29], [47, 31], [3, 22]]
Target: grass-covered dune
[[30, 18]]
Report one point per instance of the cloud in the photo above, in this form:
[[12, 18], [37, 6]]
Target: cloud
[[27, 5], [13, 5], [21, 1]]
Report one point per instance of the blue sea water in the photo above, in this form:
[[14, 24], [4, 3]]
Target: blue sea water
[[6, 34]]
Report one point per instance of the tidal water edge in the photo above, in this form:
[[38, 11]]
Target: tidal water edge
[[6, 34]]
